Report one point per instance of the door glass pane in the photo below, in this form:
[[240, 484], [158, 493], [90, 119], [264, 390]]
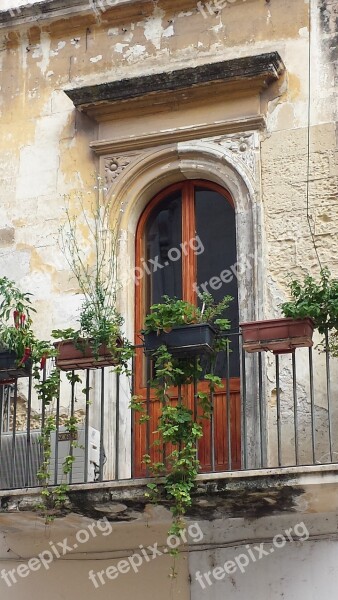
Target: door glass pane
[[163, 267], [216, 228]]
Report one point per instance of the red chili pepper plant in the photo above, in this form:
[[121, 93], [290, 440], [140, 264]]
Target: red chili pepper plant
[[20, 349]]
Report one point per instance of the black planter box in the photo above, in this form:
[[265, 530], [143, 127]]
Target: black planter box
[[9, 368], [186, 340]]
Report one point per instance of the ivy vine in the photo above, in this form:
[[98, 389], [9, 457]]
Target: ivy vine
[[178, 428], [54, 498]]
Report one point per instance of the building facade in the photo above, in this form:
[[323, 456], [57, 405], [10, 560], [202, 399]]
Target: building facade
[[212, 128]]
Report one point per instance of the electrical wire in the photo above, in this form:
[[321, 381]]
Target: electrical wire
[[308, 216]]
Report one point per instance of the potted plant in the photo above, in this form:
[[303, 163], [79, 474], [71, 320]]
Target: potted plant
[[184, 328], [313, 305], [96, 343], [280, 336], [90, 250], [21, 352]]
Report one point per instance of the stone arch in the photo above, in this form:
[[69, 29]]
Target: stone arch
[[139, 182], [156, 169]]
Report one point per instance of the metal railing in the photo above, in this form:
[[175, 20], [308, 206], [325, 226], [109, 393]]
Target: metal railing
[[273, 411], [291, 409], [81, 401]]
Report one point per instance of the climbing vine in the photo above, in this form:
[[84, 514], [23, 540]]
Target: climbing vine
[[179, 427], [54, 498]]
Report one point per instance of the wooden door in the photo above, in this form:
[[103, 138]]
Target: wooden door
[[185, 244]]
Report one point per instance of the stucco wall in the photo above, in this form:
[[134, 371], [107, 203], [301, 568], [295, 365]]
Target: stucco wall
[[303, 561]]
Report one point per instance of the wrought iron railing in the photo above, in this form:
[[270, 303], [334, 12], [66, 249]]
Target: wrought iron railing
[[273, 411]]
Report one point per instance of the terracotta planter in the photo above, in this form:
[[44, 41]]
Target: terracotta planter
[[9, 369], [280, 336], [186, 340], [71, 357]]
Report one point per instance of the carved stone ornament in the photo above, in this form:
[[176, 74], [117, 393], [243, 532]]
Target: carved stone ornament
[[242, 146], [113, 167]]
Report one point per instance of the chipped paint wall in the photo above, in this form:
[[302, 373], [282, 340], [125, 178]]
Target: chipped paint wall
[[44, 141]]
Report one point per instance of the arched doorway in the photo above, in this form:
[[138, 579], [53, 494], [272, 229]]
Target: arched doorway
[[186, 244]]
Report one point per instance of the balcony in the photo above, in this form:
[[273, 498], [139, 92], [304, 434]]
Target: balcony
[[280, 412]]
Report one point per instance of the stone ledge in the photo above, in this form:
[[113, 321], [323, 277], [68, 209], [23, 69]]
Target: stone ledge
[[251, 494]]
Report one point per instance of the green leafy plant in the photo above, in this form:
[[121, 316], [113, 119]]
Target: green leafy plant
[[315, 299], [17, 336], [177, 425], [90, 250], [172, 312], [43, 473], [54, 498], [48, 388]]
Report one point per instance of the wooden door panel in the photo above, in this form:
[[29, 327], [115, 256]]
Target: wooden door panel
[[144, 432], [215, 435], [145, 436], [217, 429]]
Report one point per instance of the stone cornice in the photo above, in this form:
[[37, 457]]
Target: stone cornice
[[127, 144], [243, 73]]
